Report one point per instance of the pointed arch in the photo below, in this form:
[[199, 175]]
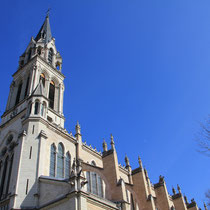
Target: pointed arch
[[51, 94], [18, 92], [3, 176], [67, 165], [50, 56], [60, 161], [52, 160], [27, 84], [42, 79], [36, 108], [9, 174]]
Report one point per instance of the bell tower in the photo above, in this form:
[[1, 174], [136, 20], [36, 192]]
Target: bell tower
[[38, 83], [34, 110]]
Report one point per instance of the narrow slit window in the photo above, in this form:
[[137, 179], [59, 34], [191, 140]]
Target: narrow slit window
[[30, 153], [18, 93], [51, 94], [27, 182]]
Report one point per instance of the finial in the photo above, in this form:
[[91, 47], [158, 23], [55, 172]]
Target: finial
[[205, 207], [173, 190], [140, 162], [161, 179], [48, 12], [78, 128], [104, 145], [127, 161], [185, 198], [179, 189], [112, 142]]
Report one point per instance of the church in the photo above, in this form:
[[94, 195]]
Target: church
[[42, 166]]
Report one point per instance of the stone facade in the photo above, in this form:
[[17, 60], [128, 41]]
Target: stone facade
[[42, 166]]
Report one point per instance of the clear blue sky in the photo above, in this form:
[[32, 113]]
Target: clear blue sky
[[139, 69]]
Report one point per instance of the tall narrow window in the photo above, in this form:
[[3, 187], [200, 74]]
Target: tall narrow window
[[36, 110], [60, 161], [43, 109], [42, 79], [9, 175], [95, 183], [51, 94], [27, 84], [52, 160], [18, 93], [89, 181], [67, 165], [100, 186], [50, 56], [3, 177]]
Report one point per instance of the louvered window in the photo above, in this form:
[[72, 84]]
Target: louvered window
[[51, 94], [9, 175], [50, 56]]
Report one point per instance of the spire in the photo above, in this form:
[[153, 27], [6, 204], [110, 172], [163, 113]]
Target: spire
[[78, 128], [173, 190], [45, 31], [179, 189], [127, 161], [140, 162], [104, 146], [112, 142]]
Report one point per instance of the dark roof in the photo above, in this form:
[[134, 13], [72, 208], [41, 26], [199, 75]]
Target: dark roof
[[45, 31]]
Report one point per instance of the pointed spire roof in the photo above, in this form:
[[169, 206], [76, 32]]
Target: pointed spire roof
[[45, 31], [39, 90]]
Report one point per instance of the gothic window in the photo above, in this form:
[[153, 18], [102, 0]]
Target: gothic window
[[42, 79], [9, 175], [52, 160], [9, 139], [39, 50], [50, 56], [95, 184], [36, 109], [18, 93], [60, 161], [51, 94], [67, 165], [27, 84], [3, 177]]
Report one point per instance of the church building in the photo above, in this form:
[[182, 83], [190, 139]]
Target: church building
[[42, 166]]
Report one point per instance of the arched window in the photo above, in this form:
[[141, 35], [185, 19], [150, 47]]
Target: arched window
[[9, 139], [3, 177], [36, 110], [42, 79], [9, 175], [50, 56], [18, 93], [39, 50], [51, 94], [27, 84], [52, 160], [67, 165], [60, 161], [95, 184]]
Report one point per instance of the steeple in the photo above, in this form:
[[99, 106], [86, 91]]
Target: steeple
[[44, 34]]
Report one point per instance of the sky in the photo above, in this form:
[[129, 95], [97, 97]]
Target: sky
[[139, 69]]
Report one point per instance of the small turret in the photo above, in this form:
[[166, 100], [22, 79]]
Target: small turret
[[78, 128], [173, 190], [185, 198], [104, 146], [205, 207], [127, 163], [112, 143], [179, 189], [140, 162]]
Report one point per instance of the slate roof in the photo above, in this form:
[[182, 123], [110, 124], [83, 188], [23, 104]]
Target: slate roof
[[45, 31]]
